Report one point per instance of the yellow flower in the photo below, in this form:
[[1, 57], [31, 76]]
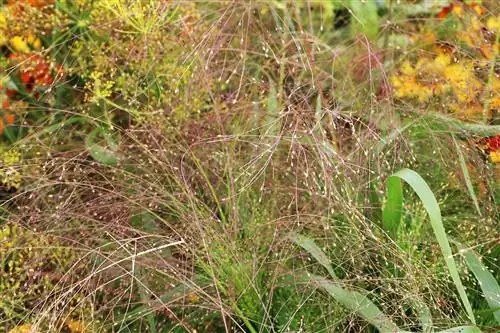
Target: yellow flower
[[3, 27], [443, 59], [75, 326], [24, 44], [3, 20], [11, 157], [22, 329], [463, 81], [475, 24], [34, 41], [19, 44], [468, 38], [495, 156], [493, 23], [458, 10], [407, 69], [407, 86], [10, 177], [495, 102]]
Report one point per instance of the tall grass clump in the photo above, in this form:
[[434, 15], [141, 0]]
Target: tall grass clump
[[280, 166]]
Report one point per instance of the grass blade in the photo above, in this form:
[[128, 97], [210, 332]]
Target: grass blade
[[424, 314], [365, 17], [462, 329], [487, 281], [352, 300], [431, 206], [391, 215], [272, 121], [359, 304], [314, 250], [467, 178], [440, 119]]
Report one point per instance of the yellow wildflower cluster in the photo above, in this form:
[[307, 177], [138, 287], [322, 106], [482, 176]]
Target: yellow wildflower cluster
[[28, 260], [23, 329], [74, 326], [22, 21], [25, 44], [455, 69], [3, 27], [10, 177], [99, 89], [440, 76], [495, 156]]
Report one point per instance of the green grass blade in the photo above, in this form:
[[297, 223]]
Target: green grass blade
[[365, 18], [391, 215], [465, 172], [359, 304], [150, 316], [389, 138], [462, 329], [431, 206], [487, 281], [424, 314], [440, 119], [314, 250], [352, 300], [272, 120]]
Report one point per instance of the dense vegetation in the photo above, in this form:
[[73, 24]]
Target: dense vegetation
[[240, 166]]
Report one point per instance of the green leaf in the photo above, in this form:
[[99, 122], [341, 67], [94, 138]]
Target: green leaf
[[424, 314], [465, 172], [383, 142], [458, 125], [391, 215], [143, 293], [462, 329], [318, 116], [365, 18], [310, 246], [272, 121], [102, 154], [431, 206], [375, 211], [144, 221], [357, 303], [487, 282]]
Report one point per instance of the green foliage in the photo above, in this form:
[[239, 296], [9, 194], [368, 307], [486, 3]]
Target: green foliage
[[28, 264], [487, 282], [365, 17], [393, 207], [180, 146], [352, 300], [431, 206]]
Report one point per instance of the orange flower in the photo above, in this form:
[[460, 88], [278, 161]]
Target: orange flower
[[25, 77], [493, 143], [10, 92], [34, 70], [9, 118], [32, 3]]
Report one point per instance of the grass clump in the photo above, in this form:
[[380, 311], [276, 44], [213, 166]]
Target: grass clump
[[232, 166]]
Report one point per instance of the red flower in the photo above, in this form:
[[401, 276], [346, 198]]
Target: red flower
[[493, 143], [25, 77], [34, 70], [10, 92], [9, 118]]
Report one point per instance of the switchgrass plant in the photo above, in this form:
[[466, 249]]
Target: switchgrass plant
[[183, 143]]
